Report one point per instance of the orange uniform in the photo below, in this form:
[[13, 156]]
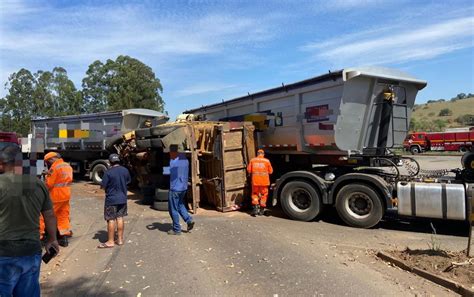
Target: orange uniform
[[260, 168], [58, 183]]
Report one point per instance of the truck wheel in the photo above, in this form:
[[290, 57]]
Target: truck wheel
[[463, 149], [160, 205], [414, 150], [156, 143], [300, 201], [161, 195], [143, 143], [142, 133], [97, 173], [359, 206], [162, 130], [115, 140]]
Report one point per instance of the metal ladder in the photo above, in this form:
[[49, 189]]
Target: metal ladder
[[402, 118]]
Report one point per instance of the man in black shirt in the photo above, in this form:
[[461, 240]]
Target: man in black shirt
[[22, 199]]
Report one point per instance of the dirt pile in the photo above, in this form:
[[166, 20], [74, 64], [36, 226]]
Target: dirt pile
[[452, 265]]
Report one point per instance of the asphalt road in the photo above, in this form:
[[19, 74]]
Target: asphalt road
[[233, 254]]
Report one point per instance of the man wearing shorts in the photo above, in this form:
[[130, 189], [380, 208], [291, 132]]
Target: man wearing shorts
[[115, 182]]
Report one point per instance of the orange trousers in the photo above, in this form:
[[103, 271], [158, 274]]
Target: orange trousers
[[259, 195], [61, 211]]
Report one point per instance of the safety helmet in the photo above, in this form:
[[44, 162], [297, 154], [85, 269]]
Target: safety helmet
[[114, 158], [51, 155]]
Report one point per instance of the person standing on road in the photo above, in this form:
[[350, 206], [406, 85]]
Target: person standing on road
[[115, 182], [58, 180], [179, 174], [260, 169], [22, 199]]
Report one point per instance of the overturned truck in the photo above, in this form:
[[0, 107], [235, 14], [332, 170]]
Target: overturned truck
[[331, 138], [217, 151]]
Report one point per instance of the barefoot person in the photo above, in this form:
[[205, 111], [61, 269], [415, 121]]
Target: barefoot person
[[115, 182]]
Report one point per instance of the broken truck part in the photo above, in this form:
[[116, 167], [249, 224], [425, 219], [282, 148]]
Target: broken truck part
[[218, 152]]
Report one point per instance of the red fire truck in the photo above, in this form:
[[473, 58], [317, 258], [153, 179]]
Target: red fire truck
[[461, 141]]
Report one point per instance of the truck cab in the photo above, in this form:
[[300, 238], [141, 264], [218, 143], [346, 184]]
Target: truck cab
[[415, 142]]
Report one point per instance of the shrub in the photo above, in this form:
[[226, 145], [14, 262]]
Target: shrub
[[445, 112], [466, 119]]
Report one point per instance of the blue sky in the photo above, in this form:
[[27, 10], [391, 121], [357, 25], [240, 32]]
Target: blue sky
[[206, 51]]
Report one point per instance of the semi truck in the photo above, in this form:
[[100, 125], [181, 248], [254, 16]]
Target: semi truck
[[330, 139], [455, 141], [86, 141]]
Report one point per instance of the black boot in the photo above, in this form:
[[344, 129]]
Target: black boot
[[63, 241], [262, 211], [254, 211]]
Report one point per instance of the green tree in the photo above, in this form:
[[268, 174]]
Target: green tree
[[18, 106], [44, 94], [95, 87], [121, 84], [438, 125], [67, 100]]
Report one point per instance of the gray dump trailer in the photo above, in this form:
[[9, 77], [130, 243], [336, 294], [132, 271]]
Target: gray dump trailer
[[85, 141], [330, 139]]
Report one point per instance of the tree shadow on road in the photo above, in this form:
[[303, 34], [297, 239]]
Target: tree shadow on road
[[83, 286], [163, 227], [101, 235]]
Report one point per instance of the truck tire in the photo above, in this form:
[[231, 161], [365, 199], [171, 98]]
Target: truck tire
[[156, 143], [359, 206], [414, 149], [142, 133], [97, 173], [162, 130], [300, 201], [161, 195], [109, 146], [160, 205], [143, 143], [463, 149]]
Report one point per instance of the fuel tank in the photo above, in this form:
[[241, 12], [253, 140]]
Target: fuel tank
[[432, 200]]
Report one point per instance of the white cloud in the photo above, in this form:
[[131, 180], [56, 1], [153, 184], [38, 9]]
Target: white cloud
[[203, 88], [396, 45]]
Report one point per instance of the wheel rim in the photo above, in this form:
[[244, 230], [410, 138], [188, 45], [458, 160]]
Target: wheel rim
[[99, 174], [359, 205], [300, 200]]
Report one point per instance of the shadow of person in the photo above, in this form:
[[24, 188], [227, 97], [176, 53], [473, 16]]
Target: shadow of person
[[163, 227], [101, 235]]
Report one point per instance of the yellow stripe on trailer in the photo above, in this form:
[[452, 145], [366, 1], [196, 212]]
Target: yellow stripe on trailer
[[63, 133]]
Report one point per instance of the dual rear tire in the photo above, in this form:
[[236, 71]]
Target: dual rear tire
[[358, 205]]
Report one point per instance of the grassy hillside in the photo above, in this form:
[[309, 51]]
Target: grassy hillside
[[429, 112]]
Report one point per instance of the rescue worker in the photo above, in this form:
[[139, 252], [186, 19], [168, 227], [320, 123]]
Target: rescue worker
[[260, 169], [58, 180]]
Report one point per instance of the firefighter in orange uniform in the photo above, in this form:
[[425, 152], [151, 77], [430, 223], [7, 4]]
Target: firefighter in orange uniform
[[260, 169], [58, 180]]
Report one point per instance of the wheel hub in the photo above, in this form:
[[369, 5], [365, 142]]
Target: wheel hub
[[301, 199], [360, 204]]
